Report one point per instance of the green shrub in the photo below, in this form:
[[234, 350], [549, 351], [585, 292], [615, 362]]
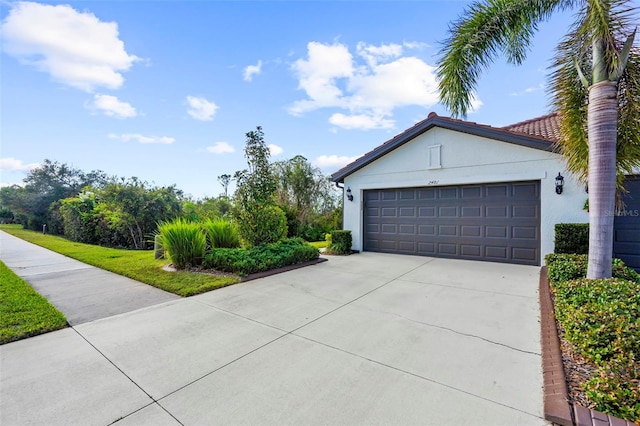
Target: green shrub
[[572, 238], [261, 258], [184, 241], [221, 234], [340, 242], [601, 318], [564, 267], [261, 224]]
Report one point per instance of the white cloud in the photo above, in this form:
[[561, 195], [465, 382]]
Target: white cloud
[[360, 121], [475, 104], [275, 149], [333, 161], [75, 48], [201, 109], [112, 106], [220, 148], [11, 164], [368, 89], [415, 45], [252, 70], [318, 76], [126, 137], [528, 90], [374, 54]]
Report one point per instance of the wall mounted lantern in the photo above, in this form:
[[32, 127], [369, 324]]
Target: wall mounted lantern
[[349, 194], [559, 183]]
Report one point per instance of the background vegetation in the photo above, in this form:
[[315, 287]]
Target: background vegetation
[[271, 201]]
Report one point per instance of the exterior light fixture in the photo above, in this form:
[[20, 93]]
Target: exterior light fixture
[[349, 194], [559, 183]]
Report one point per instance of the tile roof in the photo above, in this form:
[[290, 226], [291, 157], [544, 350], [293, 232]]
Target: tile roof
[[547, 127]]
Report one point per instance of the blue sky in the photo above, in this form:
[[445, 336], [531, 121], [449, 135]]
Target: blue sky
[[166, 90]]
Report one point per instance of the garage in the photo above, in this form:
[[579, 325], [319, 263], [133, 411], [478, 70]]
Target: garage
[[498, 222], [626, 243], [458, 189]]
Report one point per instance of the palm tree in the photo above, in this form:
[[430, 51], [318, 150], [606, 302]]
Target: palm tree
[[599, 114]]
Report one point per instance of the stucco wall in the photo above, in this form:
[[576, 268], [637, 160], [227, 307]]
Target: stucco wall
[[467, 159]]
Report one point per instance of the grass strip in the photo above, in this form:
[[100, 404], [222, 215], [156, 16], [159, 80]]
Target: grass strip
[[139, 265], [24, 312]]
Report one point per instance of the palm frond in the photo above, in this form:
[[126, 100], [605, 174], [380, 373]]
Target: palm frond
[[485, 30]]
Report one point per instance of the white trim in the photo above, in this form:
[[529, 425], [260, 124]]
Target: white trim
[[464, 180]]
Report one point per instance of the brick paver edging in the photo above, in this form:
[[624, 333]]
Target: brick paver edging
[[556, 401]]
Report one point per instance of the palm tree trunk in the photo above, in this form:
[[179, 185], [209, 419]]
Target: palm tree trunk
[[602, 134]]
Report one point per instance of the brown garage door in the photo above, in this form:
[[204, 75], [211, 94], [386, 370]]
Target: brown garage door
[[626, 243], [497, 222]]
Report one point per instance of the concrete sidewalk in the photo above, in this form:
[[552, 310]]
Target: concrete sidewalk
[[363, 339], [81, 292]]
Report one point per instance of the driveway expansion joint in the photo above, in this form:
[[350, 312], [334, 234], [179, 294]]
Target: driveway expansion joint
[[417, 376], [453, 331]]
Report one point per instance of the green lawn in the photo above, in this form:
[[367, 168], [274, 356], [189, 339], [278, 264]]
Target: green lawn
[[136, 264], [319, 244], [23, 312]]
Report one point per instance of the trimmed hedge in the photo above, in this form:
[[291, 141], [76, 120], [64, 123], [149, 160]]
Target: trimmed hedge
[[571, 238], [341, 242], [601, 319], [261, 258]]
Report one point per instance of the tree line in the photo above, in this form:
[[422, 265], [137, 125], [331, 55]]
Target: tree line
[[95, 208]]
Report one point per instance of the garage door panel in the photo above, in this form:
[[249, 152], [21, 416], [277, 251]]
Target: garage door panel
[[426, 229], [447, 249], [448, 193], [389, 195], [497, 211], [408, 212], [496, 191], [496, 253], [471, 212], [524, 232], [471, 250], [497, 222], [447, 230], [471, 231], [448, 212], [496, 232], [407, 229], [471, 192], [426, 248], [524, 211], [524, 254]]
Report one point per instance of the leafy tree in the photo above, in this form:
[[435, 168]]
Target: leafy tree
[[135, 208], [259, 220], [595, 78], [307, 197], [225, 180], [207, 208], [122, 214], [50, 182]]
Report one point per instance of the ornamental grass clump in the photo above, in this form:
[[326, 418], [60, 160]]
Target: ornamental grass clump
[[184, 241], [221, 234]]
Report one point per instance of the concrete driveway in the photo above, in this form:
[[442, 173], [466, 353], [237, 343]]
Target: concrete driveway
[[363, 339]]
